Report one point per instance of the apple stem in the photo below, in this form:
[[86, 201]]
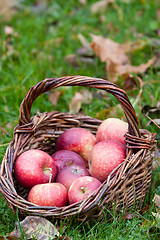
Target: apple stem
[[83, 189], [47, 171], [50, 178]]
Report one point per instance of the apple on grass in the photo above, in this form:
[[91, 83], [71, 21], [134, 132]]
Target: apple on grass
[[78, 140], [64, 158], [82, 188], [68, 174], [112, 129], [34, 167], [105, 157], [49, 194]]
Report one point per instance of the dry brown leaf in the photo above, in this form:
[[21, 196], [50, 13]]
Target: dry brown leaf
[[8, 30], [63, 237], [83, 2], [123, 69], [6, 8], [35, 227], [100, 6], [128, 216], [129, 82], [156, 162], [75, 105], [8, 238], [106, 49], [156, 200], [116, 57], [53, 97], [83, 96]]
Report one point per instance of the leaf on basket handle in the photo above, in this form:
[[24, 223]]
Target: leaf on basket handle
[[34, 227]]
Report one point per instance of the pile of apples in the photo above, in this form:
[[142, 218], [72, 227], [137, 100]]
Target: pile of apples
[[80, 164]]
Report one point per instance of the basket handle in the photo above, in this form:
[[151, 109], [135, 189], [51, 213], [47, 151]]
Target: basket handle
[[52, 83]]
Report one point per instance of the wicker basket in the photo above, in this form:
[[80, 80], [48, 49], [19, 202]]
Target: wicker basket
[[123, 188]]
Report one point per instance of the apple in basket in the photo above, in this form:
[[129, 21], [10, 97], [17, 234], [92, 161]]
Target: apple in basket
[[64, 158], [82, 188], [70, 173], [112, 129], [78, 140], [34, 167], [49, 194], [105, 157]]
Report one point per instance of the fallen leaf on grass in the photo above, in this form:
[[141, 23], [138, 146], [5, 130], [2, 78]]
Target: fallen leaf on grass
[[128, 216], [156, 200], [106, 48], [83, 2], [116, 57], [9, 238], [100, 6], [128, 68], [6, 8], [156, 162], [129, 82], [8, 30], [35, 227], [53, 97], [83, 96], [63, 237]]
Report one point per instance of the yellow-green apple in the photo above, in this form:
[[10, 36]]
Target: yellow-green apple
[[49, 194], [34, 167], [105, 157], [64, 158], [81, 188], [68, 174], [78, 140], [112, 129]]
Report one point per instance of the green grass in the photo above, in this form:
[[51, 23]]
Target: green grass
[[41, 40]]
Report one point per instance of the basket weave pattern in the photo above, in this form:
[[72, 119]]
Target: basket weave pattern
[[125, 186]]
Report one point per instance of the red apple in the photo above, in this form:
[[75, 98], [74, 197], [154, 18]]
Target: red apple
[[34, 167], [105, 157], [68, 174], [49, 194], [112, 129], [64, 158], [82, 188], [78, 140]]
